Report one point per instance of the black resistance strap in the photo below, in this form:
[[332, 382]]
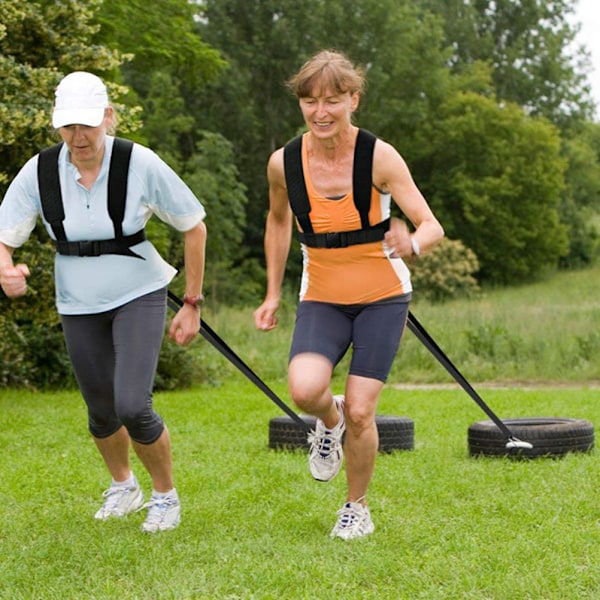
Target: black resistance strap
[[210, 336], [422, 335]]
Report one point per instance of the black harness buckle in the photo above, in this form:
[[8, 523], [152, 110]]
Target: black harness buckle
[[89, 248], [332, 240]]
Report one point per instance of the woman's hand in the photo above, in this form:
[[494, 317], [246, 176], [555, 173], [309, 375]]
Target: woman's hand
[[13, 280], [185, 325]]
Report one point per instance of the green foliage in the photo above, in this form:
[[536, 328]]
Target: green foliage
[[495, 179], [530, 48], [168, 124], [583, 233], [169, 64], [446, 272], [581, 199], [162, 40], [14, 367], [212, 176], [40, 42]]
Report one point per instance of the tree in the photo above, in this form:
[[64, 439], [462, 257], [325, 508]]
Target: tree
[[212, 175], [495, 181], [40, 42], [170, 67], [168, 63], [580, 204], [530, 46]]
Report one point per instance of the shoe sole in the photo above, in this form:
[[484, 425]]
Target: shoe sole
[[340, 534]]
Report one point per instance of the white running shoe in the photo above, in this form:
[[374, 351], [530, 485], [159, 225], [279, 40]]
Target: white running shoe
[[326, 453], [120, 501], [163, 513], [354, 520]]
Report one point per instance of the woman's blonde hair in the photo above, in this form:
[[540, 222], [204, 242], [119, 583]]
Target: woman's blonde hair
[[328, 69]]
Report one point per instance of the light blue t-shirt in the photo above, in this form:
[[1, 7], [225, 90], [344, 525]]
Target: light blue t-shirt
[[93, 284]]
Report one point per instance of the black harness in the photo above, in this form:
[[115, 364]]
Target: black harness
[[54, 212], [362, 182]]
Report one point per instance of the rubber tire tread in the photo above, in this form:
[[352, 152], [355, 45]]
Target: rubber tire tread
[[550, 437], [395, 433]]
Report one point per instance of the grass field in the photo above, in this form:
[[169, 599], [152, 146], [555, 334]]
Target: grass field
[[255, 525]]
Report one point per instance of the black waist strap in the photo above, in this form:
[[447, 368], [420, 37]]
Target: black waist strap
[[98, 247], [343, 239]]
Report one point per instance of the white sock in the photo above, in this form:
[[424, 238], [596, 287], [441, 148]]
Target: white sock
[[129, 482], [161, 495]]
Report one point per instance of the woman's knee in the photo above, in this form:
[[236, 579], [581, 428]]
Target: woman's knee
[[308, 380], [360, 415], [143, 424], [103, 426], [308, 394]]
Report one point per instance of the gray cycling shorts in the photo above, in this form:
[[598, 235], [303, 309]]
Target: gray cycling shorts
[[114, 356], [373, 330]]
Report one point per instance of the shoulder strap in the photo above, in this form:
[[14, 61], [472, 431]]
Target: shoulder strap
[[54, 212], [362, 183], [362, 177], [50, 194], [296, 186], [117, 183]]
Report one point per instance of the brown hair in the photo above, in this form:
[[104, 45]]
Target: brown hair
[[328, 69]]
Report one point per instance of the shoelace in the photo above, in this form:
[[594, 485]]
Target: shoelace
[[325, 445], [350, 515], [113, 495], [157, 508]]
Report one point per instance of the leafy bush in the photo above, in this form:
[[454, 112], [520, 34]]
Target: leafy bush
[[446, 272], [31, 340]]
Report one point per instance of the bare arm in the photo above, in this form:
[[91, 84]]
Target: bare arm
[[186, 323], [391, 174], [278, 232], [13, 278]]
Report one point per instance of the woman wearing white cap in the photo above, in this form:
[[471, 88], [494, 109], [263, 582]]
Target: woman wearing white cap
[[110, 282]]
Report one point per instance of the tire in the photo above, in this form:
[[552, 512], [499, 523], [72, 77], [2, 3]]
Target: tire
[[395, 433], [549, 436]]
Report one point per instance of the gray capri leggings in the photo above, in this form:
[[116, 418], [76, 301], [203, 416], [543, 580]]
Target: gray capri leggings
[[373, 330], [114, 356]]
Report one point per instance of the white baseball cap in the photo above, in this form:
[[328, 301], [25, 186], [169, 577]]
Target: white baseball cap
[[81, 99]]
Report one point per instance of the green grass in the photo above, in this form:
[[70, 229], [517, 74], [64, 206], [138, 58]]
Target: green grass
[[255, 525]]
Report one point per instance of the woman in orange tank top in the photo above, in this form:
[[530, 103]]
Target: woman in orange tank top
[[354, 293]]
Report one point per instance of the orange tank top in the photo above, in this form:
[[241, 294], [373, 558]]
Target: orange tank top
[[357, 274]]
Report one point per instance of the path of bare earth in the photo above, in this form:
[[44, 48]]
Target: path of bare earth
[[503, 385]]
